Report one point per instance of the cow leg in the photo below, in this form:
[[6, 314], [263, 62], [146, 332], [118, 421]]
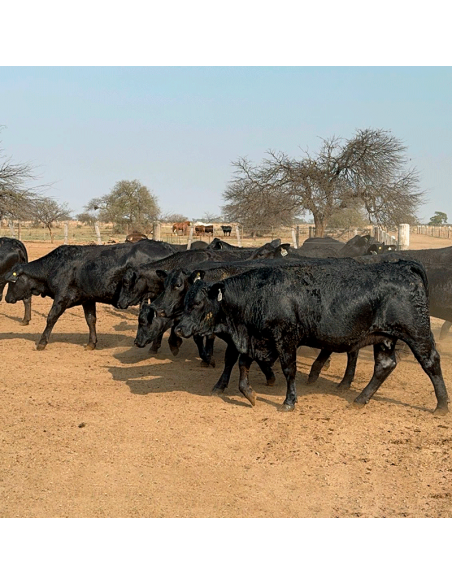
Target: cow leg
[[244, 383], [230, 359], [89, 309], [27, 313], [385, 363], [205, 352], [349, 374], [444, 330], [174, 342], [267, 370], [429, 359], [288, 358], [2, 287], [55, 312], [318, 364], [156, 344]]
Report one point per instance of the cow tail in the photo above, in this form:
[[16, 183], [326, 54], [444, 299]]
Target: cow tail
[[419, 270]]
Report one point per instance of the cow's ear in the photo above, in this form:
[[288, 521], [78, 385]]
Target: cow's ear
[[196, 275], [12, 277], [216, 291], [161, 274]]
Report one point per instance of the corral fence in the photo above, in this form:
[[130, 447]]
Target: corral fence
[[443, 231], [74, 232]]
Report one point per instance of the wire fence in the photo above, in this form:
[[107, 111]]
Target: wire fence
[[74, 232]]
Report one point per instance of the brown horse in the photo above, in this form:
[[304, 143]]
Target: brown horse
[[182, 226]]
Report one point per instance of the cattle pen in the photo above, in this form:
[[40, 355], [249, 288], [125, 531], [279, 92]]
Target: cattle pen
[[118, 432]]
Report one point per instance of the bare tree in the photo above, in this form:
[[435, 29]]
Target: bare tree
[[47, 211], [370, 169], [16, 196], [172, 218]]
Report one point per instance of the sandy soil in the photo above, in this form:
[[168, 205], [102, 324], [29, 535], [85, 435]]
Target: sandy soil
[[117, 433]]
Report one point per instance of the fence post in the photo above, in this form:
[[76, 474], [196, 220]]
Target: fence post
[[11, 228], [294, 238], [66, 229], [19, 231], [237, 230], [298, 236], [404, 236], [156, 231], [190, 236], [96, 227]]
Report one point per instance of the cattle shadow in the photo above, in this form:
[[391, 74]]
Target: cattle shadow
[[146, 377], [105, 341], [128, 317]]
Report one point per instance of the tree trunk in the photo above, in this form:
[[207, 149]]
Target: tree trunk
[[320, 226]]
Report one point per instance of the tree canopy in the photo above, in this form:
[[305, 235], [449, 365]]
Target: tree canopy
[[369, 169], [439, 218], [129, 205]]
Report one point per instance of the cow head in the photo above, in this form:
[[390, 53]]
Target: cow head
[[22, 286], [136, 287], [202, 308], [171, 302]]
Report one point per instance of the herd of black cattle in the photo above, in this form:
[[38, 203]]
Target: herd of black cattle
[[263, 302]]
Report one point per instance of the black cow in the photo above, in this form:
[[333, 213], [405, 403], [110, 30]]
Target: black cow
[[226, 230], [146, 281], [78, 274], [12, 252], [338, 306], [323, 247], [219, 244]]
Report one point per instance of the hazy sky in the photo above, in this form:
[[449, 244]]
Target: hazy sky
[[177, 129]]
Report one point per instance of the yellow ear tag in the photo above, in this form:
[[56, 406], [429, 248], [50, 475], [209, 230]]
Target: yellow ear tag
[[14, 274], [198, 277]]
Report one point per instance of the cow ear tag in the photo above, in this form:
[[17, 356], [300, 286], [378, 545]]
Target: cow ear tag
[[220, 296], [14, 274], [198, 277], [284, 252]]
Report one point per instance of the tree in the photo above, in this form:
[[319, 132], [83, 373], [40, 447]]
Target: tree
[[16, 198], [47, 211], [369, 169], [129, 205], [173, 218], [439, 218], [87, 218]]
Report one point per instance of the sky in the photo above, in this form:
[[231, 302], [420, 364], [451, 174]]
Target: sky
[[177, 129]]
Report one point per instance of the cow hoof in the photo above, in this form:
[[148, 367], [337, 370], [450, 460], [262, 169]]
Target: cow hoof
[[40, 347], [212, 363], [250, 396], [357, 404], [204, 364], [441, 411], [342, 386], [271, 381], [217, 390], [24, 322], [90, 347], [174, 350], [312, 379], [286, 408]]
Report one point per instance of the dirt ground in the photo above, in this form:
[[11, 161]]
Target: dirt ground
[[116, 432]]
